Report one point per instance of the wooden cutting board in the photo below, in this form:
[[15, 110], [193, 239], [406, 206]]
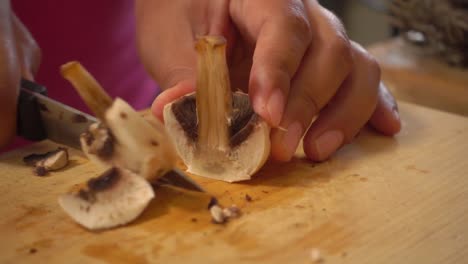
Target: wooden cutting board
[[379, 200]]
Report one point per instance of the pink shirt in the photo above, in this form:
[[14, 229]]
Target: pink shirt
[[98, 33]]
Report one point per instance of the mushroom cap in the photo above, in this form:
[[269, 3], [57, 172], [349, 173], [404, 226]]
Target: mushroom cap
[[235, 164], [115, 198]]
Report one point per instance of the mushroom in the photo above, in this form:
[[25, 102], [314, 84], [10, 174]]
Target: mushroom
[[128, 140], [123, 138], [49, 161], [136, 149], [115, 198], [215, 131]]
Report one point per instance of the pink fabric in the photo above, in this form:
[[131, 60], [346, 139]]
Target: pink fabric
[[98, 33]]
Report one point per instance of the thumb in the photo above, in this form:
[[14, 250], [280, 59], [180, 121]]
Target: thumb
[[180, 89]]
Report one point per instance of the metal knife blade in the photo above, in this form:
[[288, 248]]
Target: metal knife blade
[[62, 124], [178, 178]]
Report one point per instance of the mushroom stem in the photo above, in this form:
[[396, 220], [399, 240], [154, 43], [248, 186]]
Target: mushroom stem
[[213, 94], [95, 97]]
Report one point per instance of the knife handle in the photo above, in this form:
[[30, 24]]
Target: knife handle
[[29, 122]]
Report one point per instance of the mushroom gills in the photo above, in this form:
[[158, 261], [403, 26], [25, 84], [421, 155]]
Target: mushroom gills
[[241, 125], [115, 198]]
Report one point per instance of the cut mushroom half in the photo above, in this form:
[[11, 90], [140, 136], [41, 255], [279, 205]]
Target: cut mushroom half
[[215, 131], [115, 198]]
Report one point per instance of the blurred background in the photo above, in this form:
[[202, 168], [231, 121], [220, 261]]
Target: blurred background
[[427, 63], [365, 20]]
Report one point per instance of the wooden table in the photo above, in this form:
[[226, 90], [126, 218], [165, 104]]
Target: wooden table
[[415, 76], [379, 200]]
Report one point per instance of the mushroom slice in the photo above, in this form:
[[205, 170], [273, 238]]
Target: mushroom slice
[[49, 161], [216, 132], [128, 140], [115, 198]]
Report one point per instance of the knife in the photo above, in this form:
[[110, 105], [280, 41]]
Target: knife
[[40, 117]]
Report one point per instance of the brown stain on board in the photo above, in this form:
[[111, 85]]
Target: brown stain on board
[[35, 246], [113, 253], [29, 217], [414, 168]]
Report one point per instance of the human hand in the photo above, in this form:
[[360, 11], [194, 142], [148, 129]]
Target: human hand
[[19, 57], [293, 57]]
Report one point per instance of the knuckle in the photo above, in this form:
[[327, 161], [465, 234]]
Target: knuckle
[[309, 100], [340, 46], [374, 67], [298, 21]]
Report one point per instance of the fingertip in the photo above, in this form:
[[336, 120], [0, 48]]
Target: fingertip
[[170, 95], [285, 142], [322, 147], [268, 93], [386, 121]]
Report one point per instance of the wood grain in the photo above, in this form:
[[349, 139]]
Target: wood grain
[[415, 76], [379, 200]]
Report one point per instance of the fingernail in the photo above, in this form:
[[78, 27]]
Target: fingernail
[[275, 107], [291, 138], [328, 143]]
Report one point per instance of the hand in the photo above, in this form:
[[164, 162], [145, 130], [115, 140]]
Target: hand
[[19, 56], [293, 57]]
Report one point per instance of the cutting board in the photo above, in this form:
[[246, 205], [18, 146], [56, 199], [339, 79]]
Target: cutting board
[[378, 200]]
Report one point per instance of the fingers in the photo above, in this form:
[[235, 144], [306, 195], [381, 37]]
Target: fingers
[[27, 49], [166, 51], [166, 32], [386, 118], [9, 76], [281, 38], [169, 95], [325, 66], [349, 110]]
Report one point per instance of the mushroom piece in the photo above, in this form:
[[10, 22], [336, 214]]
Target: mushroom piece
[[115, 198], [49, 161], [126, 139], [215, 131], [123, 138]]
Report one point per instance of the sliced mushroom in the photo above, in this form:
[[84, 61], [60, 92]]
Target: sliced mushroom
[[49, 161], [215, 131], [115, 198], [128, 140]]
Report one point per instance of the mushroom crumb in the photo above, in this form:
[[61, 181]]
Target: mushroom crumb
[[217, 214], [220, 215], [231, 212], [248, 198], [316, 256], [49, 161], [32, 251], [194, 220]]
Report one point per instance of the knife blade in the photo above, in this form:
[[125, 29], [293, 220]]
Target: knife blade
[[61, 123], [40, 117]]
